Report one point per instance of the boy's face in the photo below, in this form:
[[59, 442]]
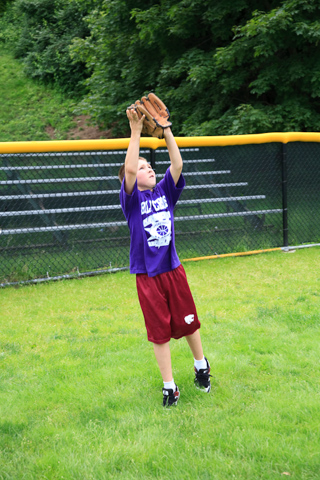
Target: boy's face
[[146, 178]]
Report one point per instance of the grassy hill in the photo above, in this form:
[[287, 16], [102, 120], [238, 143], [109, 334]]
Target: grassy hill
[[30, 111]]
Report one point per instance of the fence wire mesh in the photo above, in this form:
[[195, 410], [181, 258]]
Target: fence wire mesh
[[303, 192], [60, 212]]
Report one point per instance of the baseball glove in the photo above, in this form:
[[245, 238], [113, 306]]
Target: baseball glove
[[156, 115]]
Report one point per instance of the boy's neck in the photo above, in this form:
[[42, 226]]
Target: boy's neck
[[145, 189]]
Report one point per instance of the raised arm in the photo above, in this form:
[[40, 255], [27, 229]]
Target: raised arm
[[132, 157], [174, 154]]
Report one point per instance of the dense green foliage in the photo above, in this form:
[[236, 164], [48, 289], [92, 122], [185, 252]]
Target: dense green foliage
[[268, 76], [43, 32], [166, 46], [223, 67], [4, 4]]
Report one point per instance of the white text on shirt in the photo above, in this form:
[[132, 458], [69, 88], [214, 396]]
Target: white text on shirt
[[158, 204]]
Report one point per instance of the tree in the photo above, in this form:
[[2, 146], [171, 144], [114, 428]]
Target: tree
[[166, 46], [267, 78], [223, 67], [47, 28]]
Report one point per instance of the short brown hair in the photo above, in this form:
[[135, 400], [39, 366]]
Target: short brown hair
[[122, 169], [121, 172]]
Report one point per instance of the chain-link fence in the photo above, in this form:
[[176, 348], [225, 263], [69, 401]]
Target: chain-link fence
[[60, 212]]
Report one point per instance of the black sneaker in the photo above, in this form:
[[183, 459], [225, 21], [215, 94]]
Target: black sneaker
[[202, 380], [170, 397]]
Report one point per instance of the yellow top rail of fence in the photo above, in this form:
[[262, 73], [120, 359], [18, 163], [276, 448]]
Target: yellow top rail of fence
[[154, 143]]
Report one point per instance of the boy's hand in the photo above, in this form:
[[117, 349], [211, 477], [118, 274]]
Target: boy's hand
[[136, 123]]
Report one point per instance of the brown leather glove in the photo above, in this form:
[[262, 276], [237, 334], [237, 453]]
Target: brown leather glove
[[156, 115]]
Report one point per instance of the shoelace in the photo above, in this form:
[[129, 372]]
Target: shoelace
[[203, 376], [169, 398]]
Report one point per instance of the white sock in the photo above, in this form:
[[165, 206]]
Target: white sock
[[200, 364], [169, 385]]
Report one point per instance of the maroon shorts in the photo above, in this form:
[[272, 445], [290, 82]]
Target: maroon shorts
[[167, 305]]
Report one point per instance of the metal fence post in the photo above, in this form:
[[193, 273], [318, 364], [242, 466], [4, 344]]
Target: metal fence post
[[284, 194]]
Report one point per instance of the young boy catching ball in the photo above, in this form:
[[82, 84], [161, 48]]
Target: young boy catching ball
[[164, 294]]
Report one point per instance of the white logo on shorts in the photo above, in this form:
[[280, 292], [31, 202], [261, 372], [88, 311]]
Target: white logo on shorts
[[189, 319]]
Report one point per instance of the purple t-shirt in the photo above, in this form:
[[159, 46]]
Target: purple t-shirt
[[150, 218]]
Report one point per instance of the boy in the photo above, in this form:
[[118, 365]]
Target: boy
[[165, 298]]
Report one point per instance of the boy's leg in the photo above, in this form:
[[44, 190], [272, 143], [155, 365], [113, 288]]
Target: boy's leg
[[170, 390], [195, 345], [163, 357], [201, 364]]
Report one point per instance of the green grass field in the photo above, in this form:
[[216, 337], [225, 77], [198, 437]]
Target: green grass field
[[80, 392]]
